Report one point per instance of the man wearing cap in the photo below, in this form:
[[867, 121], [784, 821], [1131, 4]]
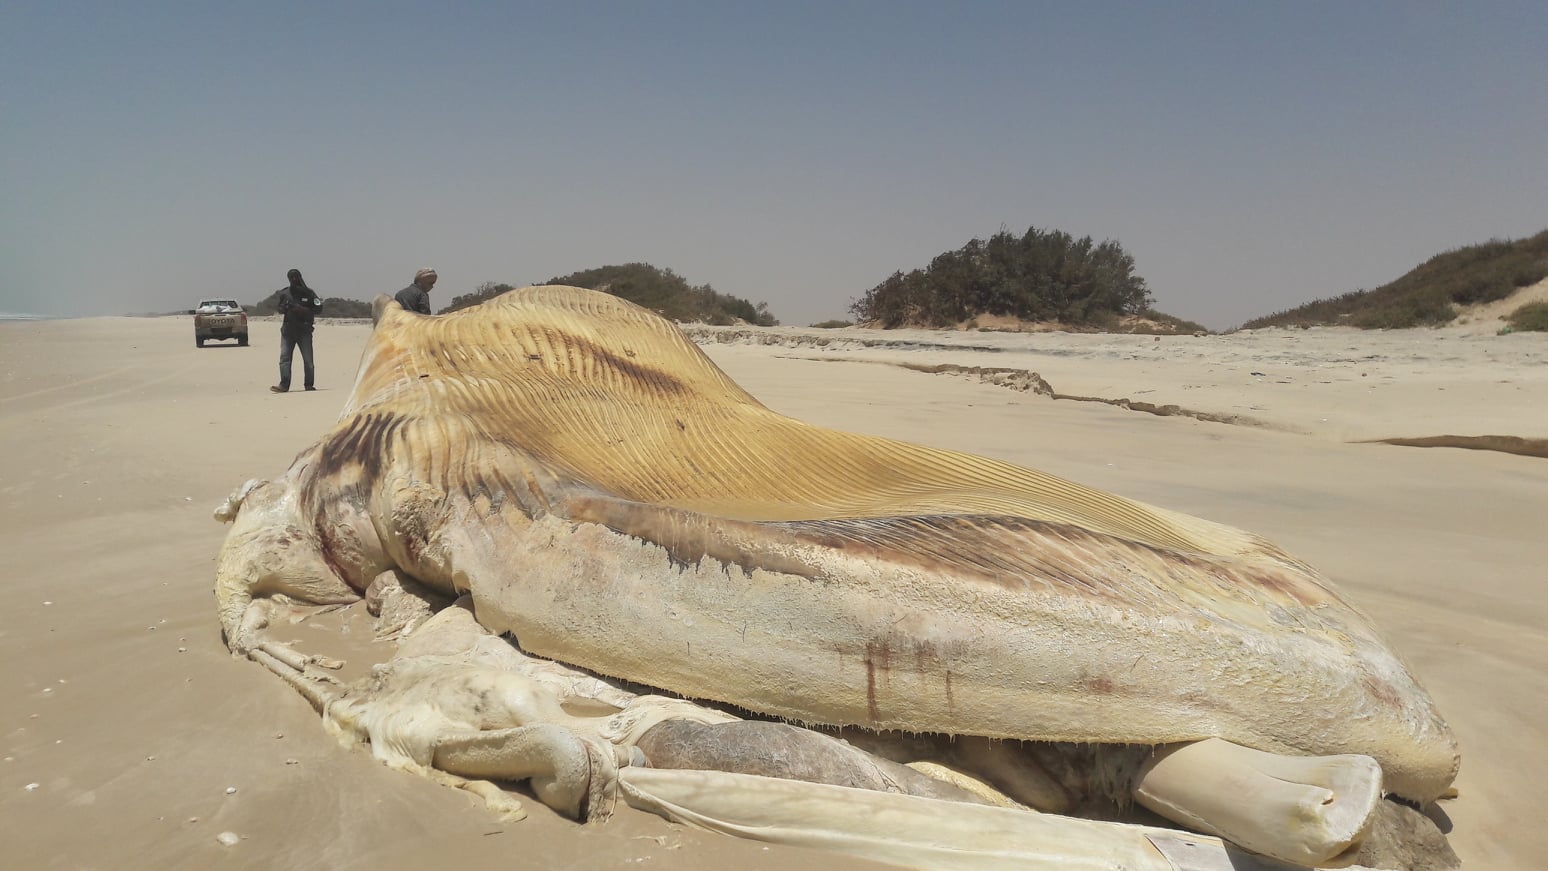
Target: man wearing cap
[[416, 297]]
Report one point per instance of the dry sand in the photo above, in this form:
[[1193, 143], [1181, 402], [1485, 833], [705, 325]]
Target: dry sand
[[118, 437]]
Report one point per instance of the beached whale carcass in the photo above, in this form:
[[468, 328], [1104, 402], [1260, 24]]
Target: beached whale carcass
[[597, 490]]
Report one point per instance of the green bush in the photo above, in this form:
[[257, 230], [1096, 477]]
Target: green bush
[[1044, 275], [832, 325], [1428, 294], [1532, 317], [486, 291], [1419, 310], [339, 307], [332, 307], [1169, 325], [669, 294]]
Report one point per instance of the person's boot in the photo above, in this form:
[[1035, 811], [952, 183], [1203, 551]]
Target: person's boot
[[279, 388]]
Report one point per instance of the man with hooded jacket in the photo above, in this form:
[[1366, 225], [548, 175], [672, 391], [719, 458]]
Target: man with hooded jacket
[[299, 305]]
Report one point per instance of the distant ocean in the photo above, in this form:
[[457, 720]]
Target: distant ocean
[[12, 316]]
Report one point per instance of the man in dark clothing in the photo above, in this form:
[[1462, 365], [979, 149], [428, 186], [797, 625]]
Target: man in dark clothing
[[299, 305], [416, 297]]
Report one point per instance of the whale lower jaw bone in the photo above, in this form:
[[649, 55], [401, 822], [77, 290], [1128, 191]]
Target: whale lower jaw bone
[[466, 709], [925, 833], [1305, 809]]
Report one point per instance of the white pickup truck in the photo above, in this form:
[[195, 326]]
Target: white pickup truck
[[219, 319]]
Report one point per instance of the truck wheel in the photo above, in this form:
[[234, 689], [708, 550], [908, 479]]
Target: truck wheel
[[198, 342], [241, 341]]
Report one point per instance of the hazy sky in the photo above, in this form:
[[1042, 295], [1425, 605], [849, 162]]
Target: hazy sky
[[1251, 156]]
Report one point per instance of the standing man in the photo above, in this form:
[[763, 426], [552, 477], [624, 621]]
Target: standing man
[[416, 297], [299, 305]]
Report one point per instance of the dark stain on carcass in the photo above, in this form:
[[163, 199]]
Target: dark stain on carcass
[[1008, 552], [329, 545], [1021, 553], [653, 380], [878, 658], [1381, 691], [411, 548], [870, 690], [924, 654], [363, 444], [882, 657]]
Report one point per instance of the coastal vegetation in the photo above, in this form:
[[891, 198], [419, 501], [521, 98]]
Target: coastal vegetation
[[1532, 317], [1041, 276], [652, 287], [1433, 293], [332, 307], [669, 294], [487, 290]]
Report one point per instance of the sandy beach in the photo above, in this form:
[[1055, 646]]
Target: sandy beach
[[132, 739]]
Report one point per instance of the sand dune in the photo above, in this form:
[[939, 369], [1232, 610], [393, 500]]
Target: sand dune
[[118, 437]]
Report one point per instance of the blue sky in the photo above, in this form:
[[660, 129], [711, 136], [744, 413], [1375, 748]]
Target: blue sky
[[1251, 156]]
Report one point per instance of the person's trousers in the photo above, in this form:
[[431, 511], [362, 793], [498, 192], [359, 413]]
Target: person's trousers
[[288, 344]]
